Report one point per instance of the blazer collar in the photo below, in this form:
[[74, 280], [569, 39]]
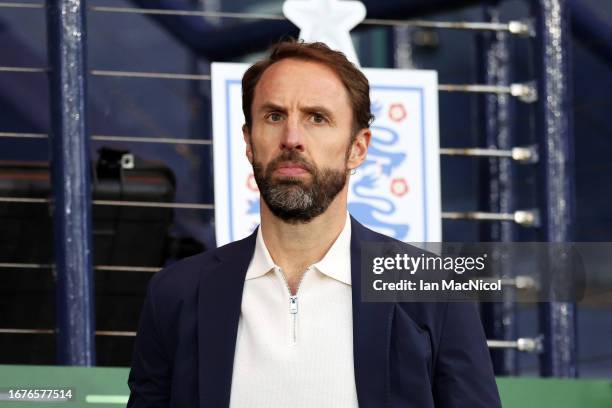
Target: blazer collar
[[219, 303]]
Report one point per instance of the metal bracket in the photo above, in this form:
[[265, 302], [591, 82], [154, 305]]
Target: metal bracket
[[525, 92], [524, 28], [524, 344], [520, 282], [525, 154], [527, 218], [127, 161]]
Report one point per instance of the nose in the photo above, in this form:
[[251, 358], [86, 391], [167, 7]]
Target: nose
[[292, 136]]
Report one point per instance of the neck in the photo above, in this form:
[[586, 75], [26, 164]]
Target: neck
[[294, 247]]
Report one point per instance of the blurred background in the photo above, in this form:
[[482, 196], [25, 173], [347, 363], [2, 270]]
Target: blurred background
[[147, 118]]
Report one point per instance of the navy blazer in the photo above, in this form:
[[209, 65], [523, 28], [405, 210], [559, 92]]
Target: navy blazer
[[413, 355]]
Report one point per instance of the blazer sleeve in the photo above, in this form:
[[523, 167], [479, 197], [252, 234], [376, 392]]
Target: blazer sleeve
[[150, 375], [463, 375]]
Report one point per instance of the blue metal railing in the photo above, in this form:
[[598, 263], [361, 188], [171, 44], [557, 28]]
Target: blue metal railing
[[70, 174], [555, 138], [497, 181]]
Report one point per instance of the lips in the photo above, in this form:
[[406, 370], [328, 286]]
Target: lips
[[291, 169]]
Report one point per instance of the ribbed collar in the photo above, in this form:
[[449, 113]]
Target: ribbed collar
[[336, 263]]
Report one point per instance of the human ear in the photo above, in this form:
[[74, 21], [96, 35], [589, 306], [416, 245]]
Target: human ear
[[246, 134], [359, 148]]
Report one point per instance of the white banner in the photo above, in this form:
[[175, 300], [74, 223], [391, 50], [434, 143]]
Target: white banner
[[396, 191]]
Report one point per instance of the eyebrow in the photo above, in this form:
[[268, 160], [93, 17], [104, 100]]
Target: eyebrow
[[270, 107], [319, 109]]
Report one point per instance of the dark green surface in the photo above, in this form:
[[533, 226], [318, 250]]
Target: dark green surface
[[110, 383], [544, 393], [84, 381]]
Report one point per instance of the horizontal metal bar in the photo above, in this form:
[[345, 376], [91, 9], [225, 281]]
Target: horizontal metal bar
[[522, 344], [114, 268], [111, 333], [24, 200], [107, 138], [26, 331], [5, 4], [521, 91], [18, 265], [474, 88], [19, 135], [118, 74], [524, 218], [520, 154], [193, 13], [115, 333], [24, 69], [119, 203], [155, 75], [518, 90], [478, 215], [502, 344], [525, 92], [474, 151], [529, 345], [141, 139], [107, 268], [514, 27]]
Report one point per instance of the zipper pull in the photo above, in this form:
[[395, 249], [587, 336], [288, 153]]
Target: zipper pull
[[293, 304]]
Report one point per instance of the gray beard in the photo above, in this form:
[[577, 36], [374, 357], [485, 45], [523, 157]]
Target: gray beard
[[292, 200]]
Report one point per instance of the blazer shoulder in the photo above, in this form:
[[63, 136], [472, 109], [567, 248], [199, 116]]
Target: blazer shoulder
[[183, 272], [363, 235], [183, 277]]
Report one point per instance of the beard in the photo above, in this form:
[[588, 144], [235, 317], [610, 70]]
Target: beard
[[292, 199]]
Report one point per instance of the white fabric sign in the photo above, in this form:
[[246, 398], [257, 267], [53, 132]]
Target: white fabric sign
[[396, 191]]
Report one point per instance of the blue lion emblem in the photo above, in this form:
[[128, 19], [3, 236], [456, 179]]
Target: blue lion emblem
[[369, 204]]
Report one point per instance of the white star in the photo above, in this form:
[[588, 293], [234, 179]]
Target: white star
[[328, 21]]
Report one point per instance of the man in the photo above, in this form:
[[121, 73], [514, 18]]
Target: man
[[276, 319]]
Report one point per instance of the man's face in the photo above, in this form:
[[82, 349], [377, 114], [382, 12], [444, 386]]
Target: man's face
[[300, 140]]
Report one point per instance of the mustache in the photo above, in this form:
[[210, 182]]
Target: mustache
[[293, 157]]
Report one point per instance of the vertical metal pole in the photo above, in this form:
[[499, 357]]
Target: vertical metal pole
[[499, 318], [70, 174], [201, 124], [555, 133], [402, 47]]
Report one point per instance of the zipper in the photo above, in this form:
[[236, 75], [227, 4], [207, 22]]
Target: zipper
[[293, 303], [293, 309]]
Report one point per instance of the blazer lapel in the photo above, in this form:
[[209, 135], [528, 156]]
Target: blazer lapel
[[219, 302], [371, 334]]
